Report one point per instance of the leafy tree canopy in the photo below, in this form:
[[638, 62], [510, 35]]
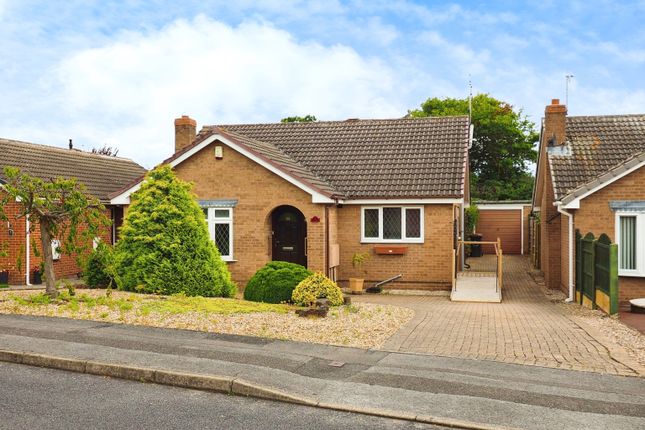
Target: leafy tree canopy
[[503, 145], [165, 247], [306, 118], [62, 209]]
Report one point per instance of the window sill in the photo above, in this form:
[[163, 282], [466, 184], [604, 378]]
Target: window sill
[[228, 260], [390, 242], [631, 274]]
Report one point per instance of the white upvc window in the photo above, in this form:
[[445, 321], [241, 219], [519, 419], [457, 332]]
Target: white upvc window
[[392, 224], [220, 229], [630, 237]]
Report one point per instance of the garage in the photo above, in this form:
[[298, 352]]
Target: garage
[[507, 221]]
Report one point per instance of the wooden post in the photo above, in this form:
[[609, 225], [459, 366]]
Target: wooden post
[[499, 263], [613, 279]]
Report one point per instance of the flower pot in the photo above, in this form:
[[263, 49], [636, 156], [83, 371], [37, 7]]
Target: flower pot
[[356, 285], [4, 277], [37, 277]]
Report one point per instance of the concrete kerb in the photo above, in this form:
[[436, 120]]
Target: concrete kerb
[[220, 384]]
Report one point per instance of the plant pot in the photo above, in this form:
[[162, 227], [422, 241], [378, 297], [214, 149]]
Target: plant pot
[[37, 277], [356, 285], [4, 277]]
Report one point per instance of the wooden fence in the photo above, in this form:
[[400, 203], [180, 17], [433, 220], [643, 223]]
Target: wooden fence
[[597, 272]]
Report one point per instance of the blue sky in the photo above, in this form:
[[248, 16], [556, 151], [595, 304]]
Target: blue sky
[[118, 73]]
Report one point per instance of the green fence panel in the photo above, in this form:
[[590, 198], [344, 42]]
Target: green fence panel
[[613, 279], [588, 262], [602, 263], [579, 264]]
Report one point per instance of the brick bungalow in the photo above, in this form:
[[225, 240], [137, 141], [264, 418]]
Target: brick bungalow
[[591, 177], [318, 193], [101, 174]]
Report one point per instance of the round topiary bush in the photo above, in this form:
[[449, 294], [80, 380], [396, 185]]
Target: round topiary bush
[[275, 282], [165, 247], [99, 266], [317, 286]]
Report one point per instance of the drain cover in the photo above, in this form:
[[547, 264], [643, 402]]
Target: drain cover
[[336, 363]]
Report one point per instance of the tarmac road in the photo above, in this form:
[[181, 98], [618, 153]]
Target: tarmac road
[[37, 398]]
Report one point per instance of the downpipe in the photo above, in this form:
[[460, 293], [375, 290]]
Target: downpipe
[[571, 297]]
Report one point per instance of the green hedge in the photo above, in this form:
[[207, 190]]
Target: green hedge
[[98, 267], [274, 283]]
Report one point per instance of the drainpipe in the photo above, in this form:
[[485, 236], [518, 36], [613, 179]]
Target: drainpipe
[[463, 233], [327, 269], [569, 215], [28, 248]]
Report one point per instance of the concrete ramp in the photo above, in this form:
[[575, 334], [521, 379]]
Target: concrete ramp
[[476, 287]]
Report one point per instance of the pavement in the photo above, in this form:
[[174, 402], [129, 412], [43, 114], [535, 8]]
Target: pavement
[[452, 392], [94, 402], [526, 328]]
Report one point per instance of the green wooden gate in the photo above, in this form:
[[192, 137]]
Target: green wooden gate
[[597, 271], [606, 272]]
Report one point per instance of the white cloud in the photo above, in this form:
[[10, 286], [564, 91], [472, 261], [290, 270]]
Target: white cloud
[[128, 92]]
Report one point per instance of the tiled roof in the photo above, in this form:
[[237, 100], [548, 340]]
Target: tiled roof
[[101, 174], [596, 145], [396, 158]]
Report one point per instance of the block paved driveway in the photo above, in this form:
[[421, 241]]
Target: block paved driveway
[[526, 328]]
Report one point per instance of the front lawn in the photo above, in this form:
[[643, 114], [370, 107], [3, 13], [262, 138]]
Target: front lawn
[[361, 325]]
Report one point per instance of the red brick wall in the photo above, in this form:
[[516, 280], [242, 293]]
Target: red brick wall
[[595, 216], [65, 267], [426, 265]]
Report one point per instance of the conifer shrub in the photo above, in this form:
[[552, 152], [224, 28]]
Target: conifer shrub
[[314, 287], [165, 247], [99, 267], [275, 282]]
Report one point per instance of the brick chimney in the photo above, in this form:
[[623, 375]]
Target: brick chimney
[[185, 132], [555, 116]]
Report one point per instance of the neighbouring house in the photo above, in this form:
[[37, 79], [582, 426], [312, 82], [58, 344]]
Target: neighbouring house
[[101, 175], [591, 178], [318, 193], [507, 220]]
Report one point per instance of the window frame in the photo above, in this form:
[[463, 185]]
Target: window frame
[[640, 244], [404, 238], [212, 221]]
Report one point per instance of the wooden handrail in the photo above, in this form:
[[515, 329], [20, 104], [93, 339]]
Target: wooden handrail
[[498, 252]]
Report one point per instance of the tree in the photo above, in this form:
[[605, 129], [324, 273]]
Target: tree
[[306, 118], [165, 247], [503, 145], [106, 150], [62, 208]]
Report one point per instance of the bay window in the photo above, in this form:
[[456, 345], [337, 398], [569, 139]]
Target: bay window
[[392, 224]]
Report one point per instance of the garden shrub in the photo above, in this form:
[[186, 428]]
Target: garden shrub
[[99, 267], [274, 283], [317, 286], [165, 247]]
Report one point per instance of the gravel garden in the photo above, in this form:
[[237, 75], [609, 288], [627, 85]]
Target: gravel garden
[[360, 325]]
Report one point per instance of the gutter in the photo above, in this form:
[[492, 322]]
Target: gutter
[[571, 297]]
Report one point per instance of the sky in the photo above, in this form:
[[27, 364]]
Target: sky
[[117, 73]]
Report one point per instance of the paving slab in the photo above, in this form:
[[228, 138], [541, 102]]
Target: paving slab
[[525, 328]]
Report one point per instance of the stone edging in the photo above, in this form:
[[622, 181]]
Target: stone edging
[[220, 384]]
